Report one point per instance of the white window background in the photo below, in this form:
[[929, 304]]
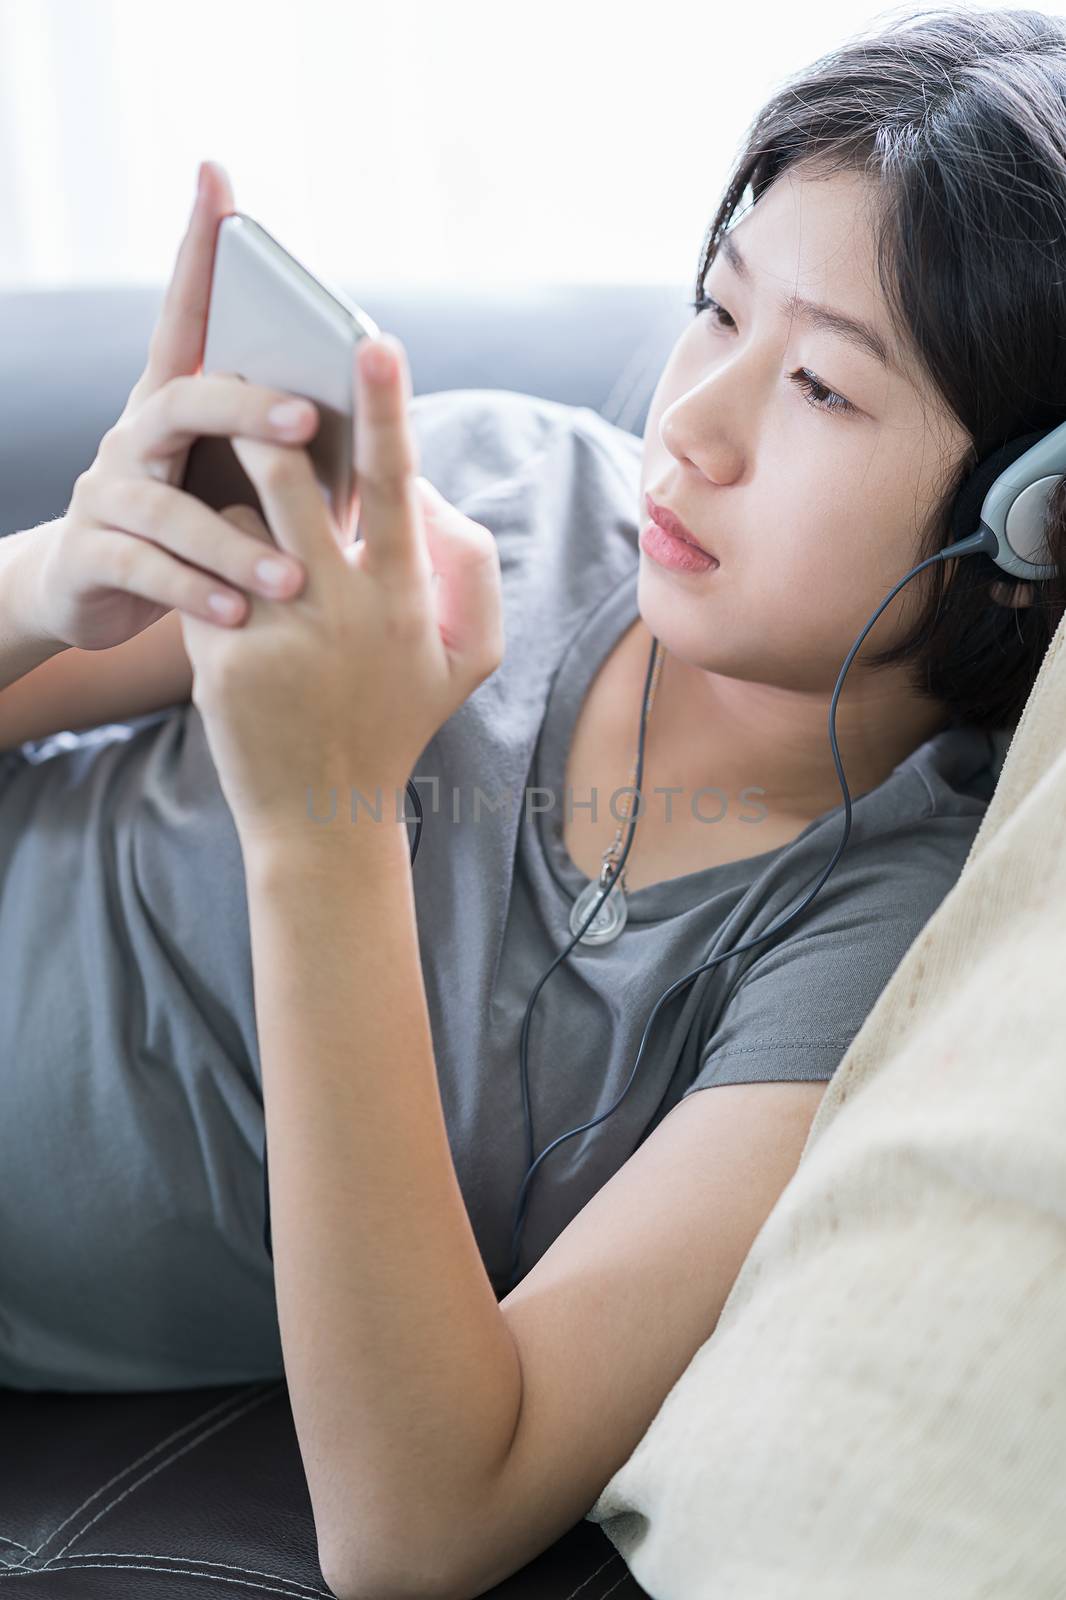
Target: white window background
[[435, 142]]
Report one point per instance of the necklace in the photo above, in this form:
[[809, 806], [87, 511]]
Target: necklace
[[610, 919]]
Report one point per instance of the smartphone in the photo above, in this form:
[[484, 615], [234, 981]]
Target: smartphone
[[272, 322]]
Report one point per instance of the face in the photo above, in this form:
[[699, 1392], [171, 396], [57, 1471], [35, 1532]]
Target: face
[[814, 508]]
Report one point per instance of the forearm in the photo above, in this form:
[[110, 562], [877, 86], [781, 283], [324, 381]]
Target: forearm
[[21, 648], [403, 1376]]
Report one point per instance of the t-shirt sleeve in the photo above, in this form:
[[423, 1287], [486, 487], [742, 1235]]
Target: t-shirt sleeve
[[796, 1008]]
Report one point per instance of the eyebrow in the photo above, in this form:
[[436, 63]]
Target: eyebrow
[[855, 332]]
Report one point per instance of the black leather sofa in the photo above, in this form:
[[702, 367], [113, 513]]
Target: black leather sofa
[[201, 1492]]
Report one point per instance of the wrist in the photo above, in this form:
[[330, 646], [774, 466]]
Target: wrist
[[25, 642], [28, 552], [273, 851]]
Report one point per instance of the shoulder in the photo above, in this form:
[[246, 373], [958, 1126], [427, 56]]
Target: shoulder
[[920, 827], [792, 1006]]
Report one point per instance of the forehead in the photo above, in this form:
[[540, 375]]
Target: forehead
[[813, 237]]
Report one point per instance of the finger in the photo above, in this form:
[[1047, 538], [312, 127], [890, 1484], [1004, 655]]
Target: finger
[[193, 406], [386, 464], [297, 515], [183, 527], [467, 594], [178, 339], [149, 572]]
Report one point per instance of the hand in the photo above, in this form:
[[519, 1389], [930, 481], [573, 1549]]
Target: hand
[[132, 545], [343, 686]]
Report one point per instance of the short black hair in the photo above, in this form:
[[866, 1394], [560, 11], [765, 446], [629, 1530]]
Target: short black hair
[[958, 118]]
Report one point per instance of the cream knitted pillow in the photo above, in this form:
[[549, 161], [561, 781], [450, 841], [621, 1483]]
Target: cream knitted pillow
[[881, 1409]]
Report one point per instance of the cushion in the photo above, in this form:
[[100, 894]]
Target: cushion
[[881, 1408]]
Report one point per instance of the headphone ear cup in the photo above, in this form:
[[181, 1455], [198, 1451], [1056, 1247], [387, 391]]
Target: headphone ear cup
[[966, 512]]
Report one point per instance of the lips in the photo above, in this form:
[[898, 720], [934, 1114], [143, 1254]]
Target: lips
[[672, 523]]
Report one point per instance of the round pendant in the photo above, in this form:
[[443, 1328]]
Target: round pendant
[[609, 920]]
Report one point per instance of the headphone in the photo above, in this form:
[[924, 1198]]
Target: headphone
[[1007, 495]]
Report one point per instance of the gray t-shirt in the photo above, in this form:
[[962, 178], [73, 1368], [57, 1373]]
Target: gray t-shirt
[[131, 1205]]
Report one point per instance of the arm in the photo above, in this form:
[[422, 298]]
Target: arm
[[613, 1313], [46, 686], [412, 1389], [403, 1376]]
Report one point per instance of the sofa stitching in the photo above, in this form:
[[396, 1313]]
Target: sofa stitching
[[193, 1444], [182, 1562], [601, 1568], [232, 1403], [84, 1563], [614, 1586], [191, 1572]]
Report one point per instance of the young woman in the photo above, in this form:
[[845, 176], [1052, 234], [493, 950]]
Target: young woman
[[183, 941]]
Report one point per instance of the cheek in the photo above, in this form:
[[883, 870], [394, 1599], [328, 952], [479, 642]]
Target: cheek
[[801, 544], [810, 582], [848, 517]]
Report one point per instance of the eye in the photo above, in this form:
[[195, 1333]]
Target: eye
[[816, 394]]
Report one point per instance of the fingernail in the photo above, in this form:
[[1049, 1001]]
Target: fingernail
[[200, 183], [289, 414], [275, 573], [378, 362]]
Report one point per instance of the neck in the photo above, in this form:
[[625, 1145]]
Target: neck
[[764, 738]]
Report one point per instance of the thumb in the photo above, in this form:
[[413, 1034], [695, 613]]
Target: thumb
[[177, 341], [468, 591]]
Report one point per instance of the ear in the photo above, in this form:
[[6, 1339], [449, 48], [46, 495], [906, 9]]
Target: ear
[[1012, 594]]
